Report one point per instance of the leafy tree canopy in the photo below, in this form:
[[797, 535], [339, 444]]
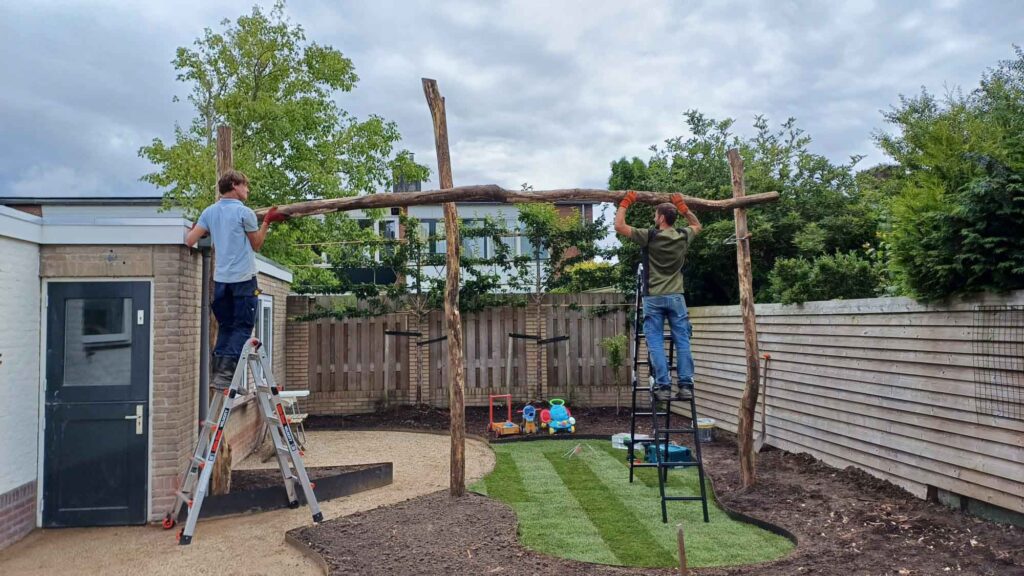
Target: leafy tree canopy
[[260, 75]]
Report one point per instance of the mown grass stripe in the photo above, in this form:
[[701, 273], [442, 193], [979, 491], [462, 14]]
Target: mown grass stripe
[[620, 529], [553, 521], [722, 542], [506, 482]]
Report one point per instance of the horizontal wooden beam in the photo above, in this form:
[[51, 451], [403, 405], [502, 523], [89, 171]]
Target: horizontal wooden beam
[[494, 193]]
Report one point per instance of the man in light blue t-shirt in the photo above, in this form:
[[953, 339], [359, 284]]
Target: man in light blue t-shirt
[[237, 236]]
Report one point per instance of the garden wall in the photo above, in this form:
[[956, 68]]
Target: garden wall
[[920, 395]]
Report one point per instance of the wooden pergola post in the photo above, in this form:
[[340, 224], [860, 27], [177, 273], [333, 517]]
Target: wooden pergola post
[[748, 404], [456, 393], [221, 482]]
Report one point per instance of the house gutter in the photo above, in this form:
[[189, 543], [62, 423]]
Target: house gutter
[[204, 333]]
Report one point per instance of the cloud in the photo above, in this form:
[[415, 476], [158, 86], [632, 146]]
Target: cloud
[[538, 92]]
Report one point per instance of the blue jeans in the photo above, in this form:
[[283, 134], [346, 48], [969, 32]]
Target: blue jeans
[[234, 305], [671, 307]]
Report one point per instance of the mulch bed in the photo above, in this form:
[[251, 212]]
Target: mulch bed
[[847, 523]]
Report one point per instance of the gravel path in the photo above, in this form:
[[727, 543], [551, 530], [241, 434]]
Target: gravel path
[[252, 544]]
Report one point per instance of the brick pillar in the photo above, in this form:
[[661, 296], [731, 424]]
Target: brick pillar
[[297, 346]]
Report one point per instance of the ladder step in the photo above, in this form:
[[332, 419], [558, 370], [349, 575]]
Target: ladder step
[[682, 499], [272, 419], [183, 496], [678, 464], [651, 413], [675, 431]]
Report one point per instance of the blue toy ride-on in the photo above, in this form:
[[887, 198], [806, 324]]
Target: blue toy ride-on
[[557, 418]]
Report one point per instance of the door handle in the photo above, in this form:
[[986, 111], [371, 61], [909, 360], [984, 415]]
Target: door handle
[[138, 419]]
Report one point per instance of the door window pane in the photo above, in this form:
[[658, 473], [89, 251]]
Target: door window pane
[[97, 342]]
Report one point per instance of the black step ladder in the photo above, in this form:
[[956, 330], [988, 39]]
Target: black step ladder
[[648, 406]]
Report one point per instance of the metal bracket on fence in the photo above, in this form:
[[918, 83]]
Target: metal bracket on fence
[[431, 341], [402, 333], [552, 340], [733, 240]]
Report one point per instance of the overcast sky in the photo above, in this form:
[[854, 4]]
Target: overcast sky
[[542, 92]]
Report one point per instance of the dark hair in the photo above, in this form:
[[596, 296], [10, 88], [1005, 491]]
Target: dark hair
[[669, 212], [229, 180]]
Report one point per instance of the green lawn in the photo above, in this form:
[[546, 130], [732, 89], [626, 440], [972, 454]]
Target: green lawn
[[584, 508]]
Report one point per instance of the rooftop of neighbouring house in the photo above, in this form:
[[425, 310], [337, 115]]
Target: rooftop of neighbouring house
[[103, 220]]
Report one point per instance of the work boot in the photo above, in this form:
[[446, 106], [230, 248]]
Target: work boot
[[662, 393], [684, 392], [223, 371]]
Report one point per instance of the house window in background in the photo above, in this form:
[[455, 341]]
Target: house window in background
[[526, 247], [474, 247]]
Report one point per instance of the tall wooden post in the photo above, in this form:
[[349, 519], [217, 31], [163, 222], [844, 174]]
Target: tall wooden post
[[221, 483], [456, 395], [748, 404]]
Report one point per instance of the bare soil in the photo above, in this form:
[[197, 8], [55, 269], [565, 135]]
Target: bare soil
[[846, 522]]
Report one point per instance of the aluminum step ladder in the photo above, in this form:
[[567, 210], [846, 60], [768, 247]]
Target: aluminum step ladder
[[663, 429], [195, 480]]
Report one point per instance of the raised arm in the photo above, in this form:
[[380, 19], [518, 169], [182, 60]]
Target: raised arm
[[620, 215], [257, 238], [691, 218]]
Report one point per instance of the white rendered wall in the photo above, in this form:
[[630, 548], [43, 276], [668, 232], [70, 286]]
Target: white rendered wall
[[19, 371]]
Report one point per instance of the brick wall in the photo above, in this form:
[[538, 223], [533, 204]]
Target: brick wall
[[17, 513], [175, 272]]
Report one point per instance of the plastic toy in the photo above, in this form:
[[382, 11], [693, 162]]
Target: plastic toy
[[557, 418], [506, 428], [529, 419]]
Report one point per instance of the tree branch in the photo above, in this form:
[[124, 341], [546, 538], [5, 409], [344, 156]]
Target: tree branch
[[494, 193]]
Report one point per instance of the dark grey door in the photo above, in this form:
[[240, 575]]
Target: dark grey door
[[97, 412]]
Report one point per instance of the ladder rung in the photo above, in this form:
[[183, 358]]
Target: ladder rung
[[678, 464], [675, 431], [183, 496], [651, 413], [683, 498], [272, 419]]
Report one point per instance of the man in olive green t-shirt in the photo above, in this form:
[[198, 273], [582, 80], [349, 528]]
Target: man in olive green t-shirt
[[665, 251]]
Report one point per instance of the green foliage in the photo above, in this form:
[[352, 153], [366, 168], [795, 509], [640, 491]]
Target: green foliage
[[583, 276], [829, 277], [277, 91], [820, 211], [956, 218], [615, 348]]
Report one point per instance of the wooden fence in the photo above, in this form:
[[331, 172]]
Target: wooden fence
[[352, 367], [926, 396]]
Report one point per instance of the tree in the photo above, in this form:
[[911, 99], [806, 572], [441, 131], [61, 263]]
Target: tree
[[820, 212], [956, 216], [261, 76]]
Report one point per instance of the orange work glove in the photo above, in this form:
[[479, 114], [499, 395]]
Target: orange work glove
[[274, 216], [677, 201], [628, 200]]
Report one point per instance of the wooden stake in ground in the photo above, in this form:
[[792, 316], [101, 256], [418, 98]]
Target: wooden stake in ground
[[748, 405], [456, 395], [680, 537]]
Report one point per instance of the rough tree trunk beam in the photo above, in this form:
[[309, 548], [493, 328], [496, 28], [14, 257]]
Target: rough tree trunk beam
[[495, 193], [748, 404], [456, 394]]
